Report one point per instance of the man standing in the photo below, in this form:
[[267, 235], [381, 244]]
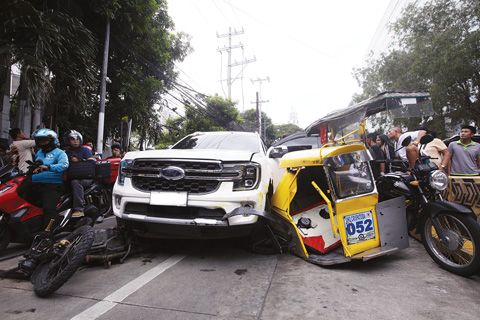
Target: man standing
[[465, 153], [21, 149]]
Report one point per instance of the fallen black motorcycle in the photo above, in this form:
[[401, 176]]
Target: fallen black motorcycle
[[449, 231], [58, 250]]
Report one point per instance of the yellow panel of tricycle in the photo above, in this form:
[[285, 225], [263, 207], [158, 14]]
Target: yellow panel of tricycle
[[286, 190], [358, 216], [314, 157], [280, 202]]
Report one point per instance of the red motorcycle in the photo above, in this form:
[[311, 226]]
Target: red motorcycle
[[21, 219]]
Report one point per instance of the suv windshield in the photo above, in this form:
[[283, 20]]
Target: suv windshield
[[227, 141]]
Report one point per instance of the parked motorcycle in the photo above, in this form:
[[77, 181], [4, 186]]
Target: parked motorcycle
[[449, 231]]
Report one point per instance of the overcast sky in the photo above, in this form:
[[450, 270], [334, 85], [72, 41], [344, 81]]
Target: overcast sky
[[307, 48]]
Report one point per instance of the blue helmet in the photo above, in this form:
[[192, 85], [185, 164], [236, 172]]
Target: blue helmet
[[45, 133]]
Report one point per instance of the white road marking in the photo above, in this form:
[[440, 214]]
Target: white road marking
[[119, 295]]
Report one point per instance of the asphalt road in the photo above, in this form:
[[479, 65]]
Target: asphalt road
[[220, 280]]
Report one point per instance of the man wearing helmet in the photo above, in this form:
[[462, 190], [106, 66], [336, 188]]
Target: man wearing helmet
[[47, 185], [76, 152], [47, 179]]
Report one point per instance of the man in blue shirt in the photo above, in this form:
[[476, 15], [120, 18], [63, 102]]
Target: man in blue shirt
[[47, 179], [47, 186], [76, 153]]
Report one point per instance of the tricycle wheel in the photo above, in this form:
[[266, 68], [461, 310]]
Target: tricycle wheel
[[459, 252]]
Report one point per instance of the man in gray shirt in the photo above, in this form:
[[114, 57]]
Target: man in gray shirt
[[465, 153]]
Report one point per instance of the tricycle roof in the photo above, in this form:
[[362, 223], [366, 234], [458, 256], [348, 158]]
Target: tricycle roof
[[316, 157]]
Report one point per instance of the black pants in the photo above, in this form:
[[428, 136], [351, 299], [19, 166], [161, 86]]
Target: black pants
[[47, 196]]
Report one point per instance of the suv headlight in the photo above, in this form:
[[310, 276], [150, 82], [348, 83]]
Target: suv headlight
[[248, 176], [438, 180], [121, 171]]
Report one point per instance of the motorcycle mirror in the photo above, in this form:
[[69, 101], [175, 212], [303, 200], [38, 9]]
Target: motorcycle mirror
[[426, 139], [406, 141]]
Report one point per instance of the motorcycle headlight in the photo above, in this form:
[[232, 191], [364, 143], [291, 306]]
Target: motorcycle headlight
[[121, 171], [438, 180]]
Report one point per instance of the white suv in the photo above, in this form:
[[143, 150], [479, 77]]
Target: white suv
[[203, 186]]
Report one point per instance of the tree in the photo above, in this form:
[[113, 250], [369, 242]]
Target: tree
[[284, 130], [55, 51], [250, 123], [218, 114], [437, 49], [59, 45]]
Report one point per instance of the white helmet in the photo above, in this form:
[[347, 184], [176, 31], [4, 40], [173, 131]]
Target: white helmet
[[75, 134]]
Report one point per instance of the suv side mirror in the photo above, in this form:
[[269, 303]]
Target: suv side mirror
[[278, 152]]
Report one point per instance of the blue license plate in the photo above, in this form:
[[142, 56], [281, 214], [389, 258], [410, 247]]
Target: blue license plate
[[359, 227]]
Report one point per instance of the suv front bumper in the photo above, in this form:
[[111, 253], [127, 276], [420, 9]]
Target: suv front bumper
[[223, 198]]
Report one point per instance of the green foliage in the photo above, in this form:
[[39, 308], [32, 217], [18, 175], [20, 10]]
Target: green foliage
[[218, 115], [55, 50], [437, 50], [60, 45], [250, 124], [284, 130], [143, 50]]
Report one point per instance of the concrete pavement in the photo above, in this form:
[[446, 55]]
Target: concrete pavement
[[220, 280]]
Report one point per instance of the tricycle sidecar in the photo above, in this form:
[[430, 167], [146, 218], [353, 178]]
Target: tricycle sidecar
[[329, 203]]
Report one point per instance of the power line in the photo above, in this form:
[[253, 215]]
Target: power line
[[279, 30], [221, 12], [201, 107], [392, 10]]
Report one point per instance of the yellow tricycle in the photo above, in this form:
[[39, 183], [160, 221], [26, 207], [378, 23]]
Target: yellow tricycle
[[329, 199], [325, 208]]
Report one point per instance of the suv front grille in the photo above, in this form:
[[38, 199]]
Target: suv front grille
[[160, 184], [199, 176]]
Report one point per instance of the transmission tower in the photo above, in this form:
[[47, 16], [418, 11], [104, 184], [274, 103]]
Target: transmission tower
[[293, 117]]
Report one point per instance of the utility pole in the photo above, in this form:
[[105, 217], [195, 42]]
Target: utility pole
[[103, 90], [259, 113], [259, 103], [229, 49]]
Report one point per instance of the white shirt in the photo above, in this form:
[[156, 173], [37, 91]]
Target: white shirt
[[402, 153], [24, 148]]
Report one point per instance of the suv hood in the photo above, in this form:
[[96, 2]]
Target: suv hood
[[191, 154]]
